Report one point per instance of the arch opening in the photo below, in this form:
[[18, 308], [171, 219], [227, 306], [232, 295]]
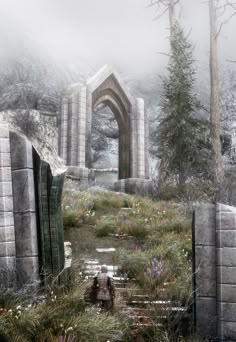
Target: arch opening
[[107, 97]]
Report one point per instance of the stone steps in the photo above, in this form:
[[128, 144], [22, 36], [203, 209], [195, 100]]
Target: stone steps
[[133, 302]]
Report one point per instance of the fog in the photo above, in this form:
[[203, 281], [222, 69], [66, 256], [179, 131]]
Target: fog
[[89, 33]]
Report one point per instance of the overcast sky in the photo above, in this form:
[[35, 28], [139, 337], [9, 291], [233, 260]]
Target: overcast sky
[[91, 33]]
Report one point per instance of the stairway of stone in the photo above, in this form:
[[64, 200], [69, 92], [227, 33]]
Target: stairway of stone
[[133, 302]]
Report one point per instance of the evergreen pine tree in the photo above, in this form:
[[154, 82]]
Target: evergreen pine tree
[[181, 135]]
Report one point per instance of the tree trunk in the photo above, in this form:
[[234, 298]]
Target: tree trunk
[[214, 99], [171, 17], [163, 165]]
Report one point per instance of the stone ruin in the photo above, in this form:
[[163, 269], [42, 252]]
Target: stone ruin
[[75, 128], [31, 226], [214, 272]]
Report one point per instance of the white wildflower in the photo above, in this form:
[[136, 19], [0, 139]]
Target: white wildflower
[[18, 307]]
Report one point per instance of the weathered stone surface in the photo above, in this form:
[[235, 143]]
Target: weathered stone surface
[[5, 159], [6, 204], [26, 234], [206, 281], [6, 219], [23, 190], [226, 311], [27, 270], [5, 189], [7, 248], [5, 174], [227, 221], [206, 317], [227, 275], [226, 238], [226, 256], [227, 331], [7, 233], [4, 145], [21, 152], [226, 293], [204, 225]]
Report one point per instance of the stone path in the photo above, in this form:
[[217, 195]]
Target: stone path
[[138, 306]]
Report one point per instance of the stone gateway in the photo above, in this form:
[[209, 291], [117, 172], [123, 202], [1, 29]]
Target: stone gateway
[[75, 129]]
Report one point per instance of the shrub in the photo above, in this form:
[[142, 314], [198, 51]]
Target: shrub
[[60, 315]]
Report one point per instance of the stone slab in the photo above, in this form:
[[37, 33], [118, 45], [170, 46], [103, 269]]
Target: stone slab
[[4, 145], [27, 270], [205, 225], [226, 238], [7, 233], [5, 159], [227, 275], [5, 174], [227, 331], [227, 220], [23, 190], [206, 318], [226, 256], [6, 203], [5, 189], [226, 293], [7, 249], [21, 152], [26, 234], [226, 312], [6, 219]]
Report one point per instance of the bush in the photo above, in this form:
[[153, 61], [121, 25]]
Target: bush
[[60, 315], [106, 226]]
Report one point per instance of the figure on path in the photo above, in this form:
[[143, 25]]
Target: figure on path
[[105, 289]]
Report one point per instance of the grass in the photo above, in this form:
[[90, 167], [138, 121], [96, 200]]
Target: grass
[[152, 241], [60, 316], [157, 231]]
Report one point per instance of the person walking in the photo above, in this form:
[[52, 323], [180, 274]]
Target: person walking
[[105, 290]]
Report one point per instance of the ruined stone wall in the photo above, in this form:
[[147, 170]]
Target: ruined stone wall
[[31, 229], [214, 249]]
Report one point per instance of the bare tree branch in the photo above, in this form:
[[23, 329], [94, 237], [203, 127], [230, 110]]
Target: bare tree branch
[[223, 23], [161, 14]]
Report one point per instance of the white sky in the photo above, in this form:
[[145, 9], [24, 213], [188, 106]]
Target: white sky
[[90, 33]]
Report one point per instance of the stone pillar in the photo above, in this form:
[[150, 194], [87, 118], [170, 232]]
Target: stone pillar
[[146, 139], [24, 210], [81, 128], [226, 271], [7, 231], [63, 129], [204, 252], [133, 147], [72, 146], [140, 138]]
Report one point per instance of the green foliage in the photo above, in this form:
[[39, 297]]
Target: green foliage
[[181, 136], [106, 226], [60, 314]]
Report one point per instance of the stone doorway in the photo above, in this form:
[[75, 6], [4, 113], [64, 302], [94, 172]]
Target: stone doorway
[[75, 129]]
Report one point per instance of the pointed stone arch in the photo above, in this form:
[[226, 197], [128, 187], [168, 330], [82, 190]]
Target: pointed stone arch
[[75, 127]]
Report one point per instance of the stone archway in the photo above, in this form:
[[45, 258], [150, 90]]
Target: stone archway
[[75, 129]]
